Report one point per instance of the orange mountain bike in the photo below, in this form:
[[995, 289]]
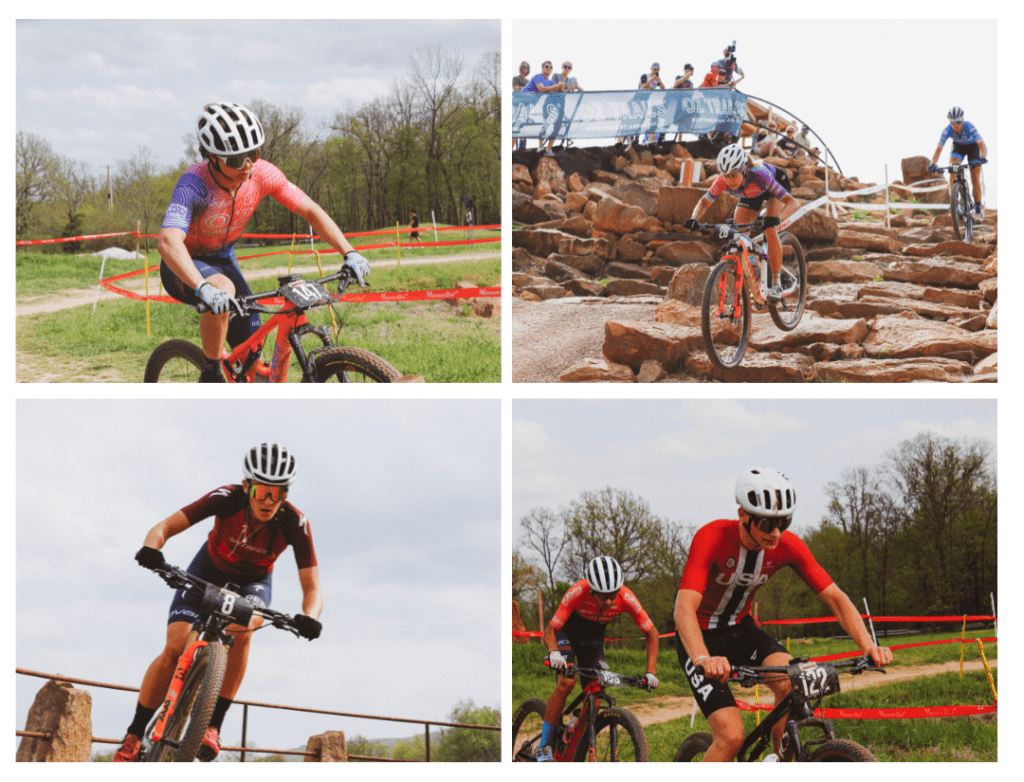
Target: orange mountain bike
[[176, 732], [180, 361]]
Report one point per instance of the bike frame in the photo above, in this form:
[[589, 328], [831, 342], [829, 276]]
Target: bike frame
[[174, 691], [586, 722], [760, 738], [292, 325]]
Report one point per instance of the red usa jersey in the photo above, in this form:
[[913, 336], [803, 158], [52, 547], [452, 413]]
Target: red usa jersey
[[244, 545], [580, 600], [729, 575]]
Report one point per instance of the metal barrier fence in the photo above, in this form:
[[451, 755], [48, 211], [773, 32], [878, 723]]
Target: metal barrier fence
[[245, 719]]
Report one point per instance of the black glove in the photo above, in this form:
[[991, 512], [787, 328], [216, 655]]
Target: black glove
[[307, 626], [691, 224], [772, 222], [981, 161], [932, 168], [150, 558]]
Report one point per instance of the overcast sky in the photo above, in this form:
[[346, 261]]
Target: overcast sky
[[403, 500], [97, 90], [876, 91], [683, 456]]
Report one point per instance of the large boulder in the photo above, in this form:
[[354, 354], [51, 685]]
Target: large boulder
[[915, 169], [900, 336], [676, 204], [634, 342], [615, 216], [688, 284], [815, 226], [67, 713], [682, 253], [540, 244]]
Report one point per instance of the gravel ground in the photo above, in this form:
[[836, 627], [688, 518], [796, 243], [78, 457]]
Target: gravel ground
[[550, 336]]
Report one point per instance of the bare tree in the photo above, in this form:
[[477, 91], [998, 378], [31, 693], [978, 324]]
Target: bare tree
[[545, 533], [34, 159]]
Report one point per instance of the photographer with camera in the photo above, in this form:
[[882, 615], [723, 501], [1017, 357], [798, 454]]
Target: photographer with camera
[[727, 65]]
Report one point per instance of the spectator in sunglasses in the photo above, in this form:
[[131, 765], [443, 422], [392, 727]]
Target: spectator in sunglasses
[[729, 560]]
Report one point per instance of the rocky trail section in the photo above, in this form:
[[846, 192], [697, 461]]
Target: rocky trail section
[[608, 283]]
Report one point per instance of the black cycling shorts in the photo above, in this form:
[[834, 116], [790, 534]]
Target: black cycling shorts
[[965, 151], [741, 644], [586, 652], [757, 202]]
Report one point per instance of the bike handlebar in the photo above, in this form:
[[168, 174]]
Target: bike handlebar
[[605, 676], [960, 166], [749, 675], [245, 305]]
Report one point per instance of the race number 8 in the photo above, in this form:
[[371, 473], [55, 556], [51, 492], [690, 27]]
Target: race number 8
[[228, 606]]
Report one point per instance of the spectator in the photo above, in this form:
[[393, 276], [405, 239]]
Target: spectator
[[570, 81], [711, 79], [543, 82], [726, 66], [684, 82], [653, 81], [804, 141], [414, 222], [519, 81], [788, 142], [765, 144]]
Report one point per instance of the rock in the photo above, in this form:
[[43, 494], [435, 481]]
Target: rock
[[573, 245], [932, 271], [832, 253], [591, 264], [922, 236], [528, 295], [678, 313], [993, 318], [633, 288], [583, 287], [680, 253], [642, 197], [545, 291], [613, 215], [629, 271], [538, 243], [578, 226], [597, 370], [936, 370], [551, 204], [756, 368], [629, 251], [329, 745], [688, 284], [867, 241], [947, 248], [662, 275], [524, 210], [67, 713], [651, 371], [676, 204], [958, 298], [810, 330], [915, 169], [897, 336], [842, 271], [547, 170], [561, 272], [575, 202], [634, 342], [815, 226], [576, 184], [989, 289]]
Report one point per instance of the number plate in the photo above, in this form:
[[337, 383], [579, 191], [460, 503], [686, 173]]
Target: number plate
[[817, 679], [226, 604], [305, 293]]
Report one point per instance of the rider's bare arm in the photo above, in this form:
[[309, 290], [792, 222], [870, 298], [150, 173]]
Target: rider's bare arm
[[652, 649], [312, 598], [310, 211], [172, 249], [166, 529], [685, 616], [849, 619]]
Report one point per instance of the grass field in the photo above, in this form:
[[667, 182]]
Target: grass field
[[943, 739], [441, 341]]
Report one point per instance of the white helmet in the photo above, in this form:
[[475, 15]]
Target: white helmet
[[271, 464], [228, 129], [955, 114], [604, 575], [732, 158], [763, 491]]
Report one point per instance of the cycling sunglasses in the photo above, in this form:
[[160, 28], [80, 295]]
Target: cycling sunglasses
[[261, 492], [237, 161], [607, 595], [770, 523]]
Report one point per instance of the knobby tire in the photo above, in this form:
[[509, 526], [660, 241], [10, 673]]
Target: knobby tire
[[725, 339], [786, 314], [526, 726], [693, 748], [842, 751], [960, 212], [630, 739], [174, 361], [352, 365]]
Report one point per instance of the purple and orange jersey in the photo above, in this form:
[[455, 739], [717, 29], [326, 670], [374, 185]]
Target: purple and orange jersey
[[756, 180]]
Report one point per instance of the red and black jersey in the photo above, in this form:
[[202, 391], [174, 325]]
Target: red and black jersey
[[240, 543], [579, 601], [729, 575]]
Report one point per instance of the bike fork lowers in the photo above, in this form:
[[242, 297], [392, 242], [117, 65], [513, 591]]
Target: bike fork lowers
[[173, 693]]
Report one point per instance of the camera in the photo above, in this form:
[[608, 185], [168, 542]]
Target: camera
[[731, 50]]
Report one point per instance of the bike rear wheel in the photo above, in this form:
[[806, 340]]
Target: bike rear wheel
[[693, 748], [619, 738], [787, 313], [960, 212], [725, 316], [526, 726], [194, 707], [352, 365], [174, 361], [842, 751]]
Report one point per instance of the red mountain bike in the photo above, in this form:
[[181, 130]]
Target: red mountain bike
[[594, 733], [177, 730], [180, 361]]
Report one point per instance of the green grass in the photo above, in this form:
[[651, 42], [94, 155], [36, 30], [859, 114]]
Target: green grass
[[434, 339]]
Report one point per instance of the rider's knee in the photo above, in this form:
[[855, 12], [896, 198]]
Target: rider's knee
[[222, 282], [565, 685], [730, 737]]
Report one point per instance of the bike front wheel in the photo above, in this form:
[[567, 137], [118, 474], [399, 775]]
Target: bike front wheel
[[960, 212], [526, 727], [352, 365], [842, 751], [619, 738], [174, 361], [787, 312], [693, 748], [194, 707], [725, 316]]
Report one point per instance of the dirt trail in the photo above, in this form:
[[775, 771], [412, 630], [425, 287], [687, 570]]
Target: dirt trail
[[654, 710], [76, 298]]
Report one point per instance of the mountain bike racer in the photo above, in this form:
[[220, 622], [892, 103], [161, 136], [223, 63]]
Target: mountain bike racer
[[253, 525], [575, 635], [755, 185], [210, 206], [729, 561], [967, 145]]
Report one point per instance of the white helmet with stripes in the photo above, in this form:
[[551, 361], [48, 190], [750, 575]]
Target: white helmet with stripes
[[764, 491], [228, 129], [271, 464], [604, 574]]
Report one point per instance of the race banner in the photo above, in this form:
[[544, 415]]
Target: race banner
[[578, 115]]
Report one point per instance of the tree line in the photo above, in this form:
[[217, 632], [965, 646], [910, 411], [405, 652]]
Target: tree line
[[915, 535], [430, 143]]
